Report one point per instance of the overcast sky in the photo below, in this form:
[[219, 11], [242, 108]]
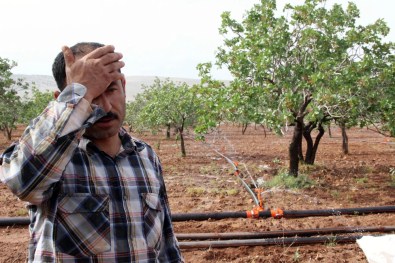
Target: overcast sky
[[165, 38]]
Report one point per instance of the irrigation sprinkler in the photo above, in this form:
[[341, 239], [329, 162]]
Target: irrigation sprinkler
[[257, 200]]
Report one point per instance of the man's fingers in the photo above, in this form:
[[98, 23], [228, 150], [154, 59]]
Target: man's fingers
[[99, 52], [117, 76], [68, 56], [95, 70], [115, 66], [110, 58]]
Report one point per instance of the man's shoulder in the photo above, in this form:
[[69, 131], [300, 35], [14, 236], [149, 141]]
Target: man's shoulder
[[143, 145], [137, 142]]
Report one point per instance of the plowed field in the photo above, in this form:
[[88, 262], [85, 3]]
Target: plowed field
[[204, 182]]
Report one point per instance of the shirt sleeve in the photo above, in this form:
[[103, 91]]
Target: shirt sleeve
[[32, 166]]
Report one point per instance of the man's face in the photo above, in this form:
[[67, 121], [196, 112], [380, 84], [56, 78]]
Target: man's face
[[113, 102]]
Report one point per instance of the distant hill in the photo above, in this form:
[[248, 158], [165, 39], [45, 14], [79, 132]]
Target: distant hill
[[133, 83]]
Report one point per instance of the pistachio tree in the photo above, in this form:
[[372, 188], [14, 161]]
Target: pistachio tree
[[169, 104], [133, 110], [303, 64], [11, 90], [34, 103]]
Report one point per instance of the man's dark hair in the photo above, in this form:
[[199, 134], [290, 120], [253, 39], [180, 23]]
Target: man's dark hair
[[59, 66]]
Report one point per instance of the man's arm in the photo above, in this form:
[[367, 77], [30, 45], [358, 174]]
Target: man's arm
[[35, 163], [32, 166]]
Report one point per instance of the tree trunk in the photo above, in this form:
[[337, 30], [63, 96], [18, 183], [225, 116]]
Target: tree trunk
[[244, 128], [329, 130], [344, 138], [312, 147], [300, 149], [309, 141], [168, 131], [183, 152], [294, 147], [309, 146], [264, 130], [181, 132], [8, 132], [321, 132]]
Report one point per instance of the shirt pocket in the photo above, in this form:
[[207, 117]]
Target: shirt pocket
[[153, 219], [82, 225]]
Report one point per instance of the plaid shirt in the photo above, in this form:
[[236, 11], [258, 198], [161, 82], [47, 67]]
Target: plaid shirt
[[86, 206]]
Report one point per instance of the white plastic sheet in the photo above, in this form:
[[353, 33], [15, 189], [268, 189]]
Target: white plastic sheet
[[380, 249]]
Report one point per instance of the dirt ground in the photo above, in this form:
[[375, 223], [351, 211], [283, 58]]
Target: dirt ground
[[204, 182]]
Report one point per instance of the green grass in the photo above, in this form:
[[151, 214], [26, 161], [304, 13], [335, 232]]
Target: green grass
[[223, 192], [283, 179], [335, 194], [392, 177], [21, 212], [392, 183], [276, 161], [362, 180], [308, 168], [232, 192], [212, 169], [331, 241], [296, 257], [196, 191]]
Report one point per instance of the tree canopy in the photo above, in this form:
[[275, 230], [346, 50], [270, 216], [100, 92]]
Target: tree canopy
[[306, 68], [11, 109], [165, 104]]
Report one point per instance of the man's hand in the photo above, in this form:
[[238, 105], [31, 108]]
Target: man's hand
[[96, 70]]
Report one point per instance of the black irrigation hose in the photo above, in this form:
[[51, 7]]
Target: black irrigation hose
[[286, 213], [339, 211], [7, 221], [10, 221], [207, 216], [284, 233], [270, 241]]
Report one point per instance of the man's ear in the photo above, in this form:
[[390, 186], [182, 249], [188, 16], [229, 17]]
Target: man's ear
[[56, 94]]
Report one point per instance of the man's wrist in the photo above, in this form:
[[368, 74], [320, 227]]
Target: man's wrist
[[72, 93]]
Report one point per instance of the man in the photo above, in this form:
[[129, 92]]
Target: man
[[95, 194]]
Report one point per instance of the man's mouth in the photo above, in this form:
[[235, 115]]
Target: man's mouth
[[105, 119], [109, 117]]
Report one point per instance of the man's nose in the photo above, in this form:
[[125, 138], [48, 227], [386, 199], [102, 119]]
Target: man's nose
[[103, 102]]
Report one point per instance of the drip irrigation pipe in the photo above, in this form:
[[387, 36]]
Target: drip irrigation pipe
[[7, 221], [285, 213], [284, 233], [270, 241], [10, 221]]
